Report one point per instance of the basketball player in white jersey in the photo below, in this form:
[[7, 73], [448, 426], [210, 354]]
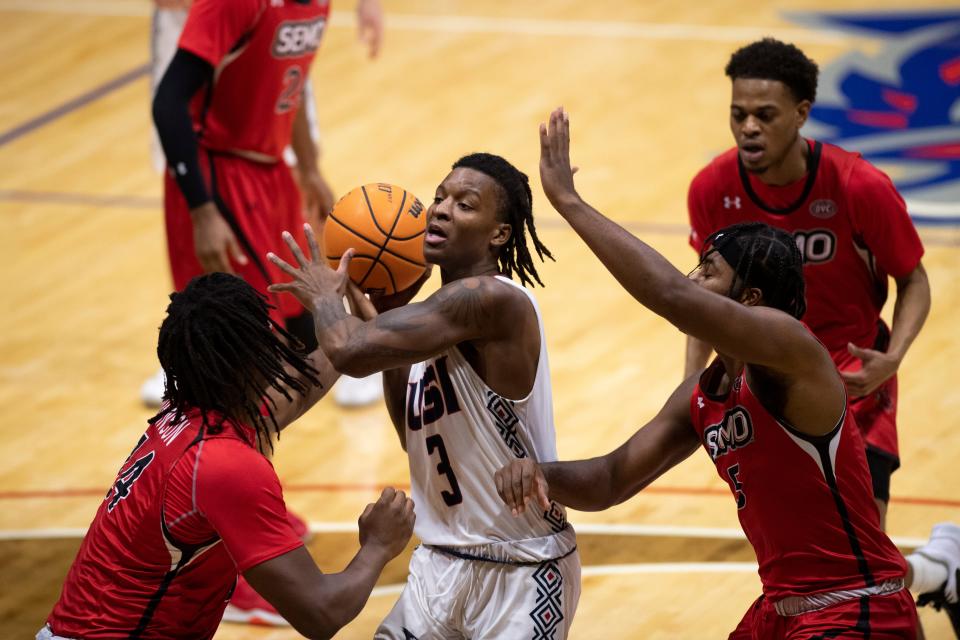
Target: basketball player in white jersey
[[467, 385], [169, 16]]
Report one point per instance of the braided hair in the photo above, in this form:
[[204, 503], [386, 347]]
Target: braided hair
[[221, 352], [516, 208], [764, 257], [770, 59]]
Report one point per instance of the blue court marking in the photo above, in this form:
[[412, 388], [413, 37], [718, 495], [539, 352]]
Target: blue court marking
[[899, 105], [70, 106]]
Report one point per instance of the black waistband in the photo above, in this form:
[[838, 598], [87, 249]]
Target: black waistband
[[450, 551]]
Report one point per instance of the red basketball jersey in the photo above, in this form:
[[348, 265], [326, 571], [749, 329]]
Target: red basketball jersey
[[848, 220], [261, 52], [188, 510], [805, 503]]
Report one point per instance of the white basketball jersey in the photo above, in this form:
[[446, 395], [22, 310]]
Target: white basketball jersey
[[459, 433]]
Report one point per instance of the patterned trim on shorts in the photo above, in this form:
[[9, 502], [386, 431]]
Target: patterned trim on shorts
[[548, 611]]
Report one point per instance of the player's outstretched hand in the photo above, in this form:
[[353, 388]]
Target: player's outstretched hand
[[314, 277], [387, 524], [520, 482], [214, 241], [384, 302], [556, 173]]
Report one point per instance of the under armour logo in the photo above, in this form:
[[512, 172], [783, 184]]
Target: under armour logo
[[700, 404], [731, 202]]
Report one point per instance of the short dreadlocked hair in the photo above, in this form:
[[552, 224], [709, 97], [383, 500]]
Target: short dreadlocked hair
[[770, 59], [221, 352], [516, 208], [763, 257]]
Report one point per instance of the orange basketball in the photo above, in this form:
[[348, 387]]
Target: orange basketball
[[384, 223]]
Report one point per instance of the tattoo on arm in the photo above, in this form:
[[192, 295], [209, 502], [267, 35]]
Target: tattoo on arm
[[377, 351], [466, 302], [328, 311], [460, 311]]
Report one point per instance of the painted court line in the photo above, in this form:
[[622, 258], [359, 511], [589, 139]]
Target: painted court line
[[85, 492], [59, 111], [671, 531], [638, 530], [668, 567], [626, 569], [601, 29], [81, 199], [387, 590], [447, 24]]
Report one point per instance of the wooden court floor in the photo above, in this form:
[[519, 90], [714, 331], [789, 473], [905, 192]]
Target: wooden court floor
[[84, 263]]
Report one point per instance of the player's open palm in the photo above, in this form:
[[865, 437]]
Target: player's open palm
[[520, 482], [388, 523], [556, 173], [312, 277]]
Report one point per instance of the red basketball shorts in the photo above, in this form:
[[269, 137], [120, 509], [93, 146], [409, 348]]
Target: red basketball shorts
[[259, 202], [876, 414], [886, 617]]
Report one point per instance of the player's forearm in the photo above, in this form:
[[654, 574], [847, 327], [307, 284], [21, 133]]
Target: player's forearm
[[348, 591], [347, 341], [335, 330], [601, 482], [640, 269], [585, 485], [302, 142], [697, 353], [909, 312], [395, 395], [171, 114], [289, 410]]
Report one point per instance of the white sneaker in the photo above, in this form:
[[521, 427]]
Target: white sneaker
[[358, 392], [151, 392], [246, 606], [944, 548]]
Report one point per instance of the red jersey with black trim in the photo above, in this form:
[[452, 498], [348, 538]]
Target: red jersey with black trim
[[191, 507], [850, 223], [261, 52], [805, 503]]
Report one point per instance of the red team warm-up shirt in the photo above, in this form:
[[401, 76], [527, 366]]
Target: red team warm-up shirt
[[805, 503], [190, 508], [848, 219], [261, 52]]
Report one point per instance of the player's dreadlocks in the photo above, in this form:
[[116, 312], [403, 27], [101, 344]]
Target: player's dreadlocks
[[516, 208], [763, 257], [221, 352], [770, 59]]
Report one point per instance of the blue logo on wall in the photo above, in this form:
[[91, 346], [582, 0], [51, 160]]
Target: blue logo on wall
[[899, 106]]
